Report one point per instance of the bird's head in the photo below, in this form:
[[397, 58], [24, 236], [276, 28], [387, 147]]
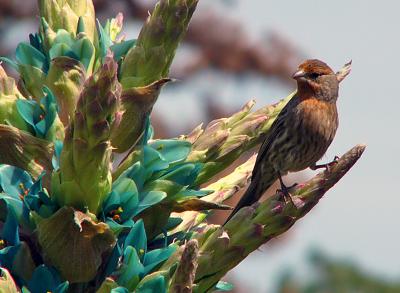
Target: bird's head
[[316, 79]]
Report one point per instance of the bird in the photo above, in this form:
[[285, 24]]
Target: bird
[[301, 133]]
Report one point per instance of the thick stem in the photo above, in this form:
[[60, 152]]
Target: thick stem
[[253, 226]]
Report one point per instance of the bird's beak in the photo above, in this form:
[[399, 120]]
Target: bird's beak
[[298, 74]]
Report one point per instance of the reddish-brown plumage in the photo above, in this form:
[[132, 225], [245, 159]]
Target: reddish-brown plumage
[[301, 133]]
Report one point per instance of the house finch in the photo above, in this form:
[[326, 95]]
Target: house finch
[[301, 133]]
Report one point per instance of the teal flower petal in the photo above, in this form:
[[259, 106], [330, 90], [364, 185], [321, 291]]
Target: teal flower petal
[[172, 223], [15, 203], [149, 199], [137, 238], [120, 49], [184, 174], [114, 259], [27, 54], [172, 150], [156, 284], [9, 232], [9, 237], [40, 116], [11, 63], [119, 290], [36, 41], [169, 187], [15, 181], [119, 228], [223, 286], [155, 257], [112, 202], [124, 199], [84, 50], [81, 25], [45, 279], [131, 270], [55, 161], [104, 40], [153, 161], [135, 172]]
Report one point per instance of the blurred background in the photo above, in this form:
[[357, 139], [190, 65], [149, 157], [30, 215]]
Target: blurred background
[[237, 50]]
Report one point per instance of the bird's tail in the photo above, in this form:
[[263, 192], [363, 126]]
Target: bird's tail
[[253, 193]]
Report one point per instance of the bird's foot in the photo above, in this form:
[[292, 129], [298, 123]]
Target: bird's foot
[[285, 191], [327, 166]]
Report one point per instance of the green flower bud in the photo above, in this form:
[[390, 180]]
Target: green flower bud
[[65, 14], [9, 95], [65, 78], [84, 178], [155, 48]]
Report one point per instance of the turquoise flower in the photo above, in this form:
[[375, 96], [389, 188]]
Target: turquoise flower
[[46, 279], [137, 260]]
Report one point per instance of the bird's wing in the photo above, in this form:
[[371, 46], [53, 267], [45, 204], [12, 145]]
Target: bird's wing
[[275, 131]]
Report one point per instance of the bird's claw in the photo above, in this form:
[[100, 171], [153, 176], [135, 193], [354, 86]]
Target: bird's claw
[[285, 191], [327, 166], [331, 164]]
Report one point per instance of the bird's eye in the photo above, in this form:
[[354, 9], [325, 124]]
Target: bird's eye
[[313, 75]]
